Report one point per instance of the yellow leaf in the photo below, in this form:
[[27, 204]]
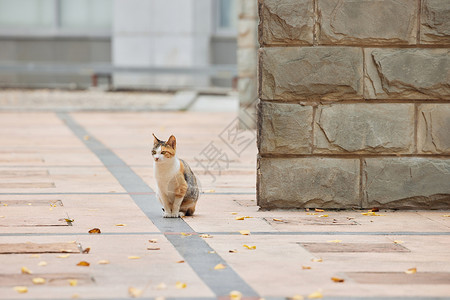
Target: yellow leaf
[[235, 295], [248, 217], [63, 256], [312, 214], [73, 282], [335, 241], [25, 270], [185, 234], [250, 247], [206, 236], [121, 224], [240, 218], [21, 289], [153, 248], [161, 286], [69, 220], [38, 280], [365, 214], [323, 216], [319, 210], [317, 260], [232, 251], [411, 271], [337, 279], [219, 267], [211, 252], [83, 264], [234, 213], [277, 220], [315, 295], [42, 263], [134, 257], [296, 297], [446, 216], [398, 242], [103, 262], [306, 268], [153, 241], [180, 261], [244, 232], [180, 285], [210, 191], [134, 292], [94, 231]]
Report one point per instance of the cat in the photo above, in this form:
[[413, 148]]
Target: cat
[[177, 187]]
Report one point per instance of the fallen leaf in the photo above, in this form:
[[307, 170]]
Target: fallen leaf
[[398, 242], [153, 241], [134, 292], [180, 285], [446, 216], [234, 213], [240, 218], [219, 267], [21, 289], [315, 295], [38, 280], [337, 279], [323, 216], [277, 220], [103, 262], [121, 224], [153, 248], [73, 282], [312, 214], [319, 210], [249, 247], [206, 236], [134, 257], [244, 232], [306, 268], [296, 297], [185, 234], [94, 231], [2, 217], [161, 286], [83, 264], [317, 260], [42, 263], [86, 251], [69, 220], [235, 295], [335, 241], [232, 251], [210, 191], [180, 261], [375, 209], [29, 204], [411, 271], [63, 256], [25, 270], [211, 252]]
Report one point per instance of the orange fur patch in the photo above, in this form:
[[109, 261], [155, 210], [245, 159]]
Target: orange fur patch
[[167, 151]]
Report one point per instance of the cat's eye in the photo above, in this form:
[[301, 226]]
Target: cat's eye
[[163, 152], [153, 152]]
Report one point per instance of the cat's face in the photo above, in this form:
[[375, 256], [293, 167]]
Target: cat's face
[[163, 151]]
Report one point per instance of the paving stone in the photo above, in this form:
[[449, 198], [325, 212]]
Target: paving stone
[[31, 248], [381, 22], [311, 73], [400, 277], [48, 203], [364, 128], [308, 182], [58, 279], [433, 129], [407, 73], [407, 182], [435, 22], [284, 128], [353, 247], [290, 23], [26, 185]]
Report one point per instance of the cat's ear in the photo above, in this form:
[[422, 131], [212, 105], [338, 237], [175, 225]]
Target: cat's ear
[[156, 140], [172, 142]]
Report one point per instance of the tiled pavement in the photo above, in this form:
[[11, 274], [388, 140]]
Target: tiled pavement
[[96, 169]]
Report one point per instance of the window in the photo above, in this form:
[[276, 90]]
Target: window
[[55, 17], [227, 17]]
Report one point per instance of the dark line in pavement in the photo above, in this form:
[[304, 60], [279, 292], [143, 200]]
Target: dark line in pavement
[[74, 193], [434, 233], [194, 249]]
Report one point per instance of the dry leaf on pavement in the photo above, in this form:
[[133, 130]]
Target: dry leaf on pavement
[[42, 263], [249, 247], [206, 236], [317, 260], [240, 218], [38, 280], [63, 256], [134, 257], [219, 267], [337, 279], [134, 292], [315, 295], [73, 282], [21, 289], [94, 231], [235, 295], [103, 262], [411, 271], [83, 264], [306, 268], [232, 251], [244, 232], [319, 210], [25, 270], [153, 248], [180, 285], [153, 241]]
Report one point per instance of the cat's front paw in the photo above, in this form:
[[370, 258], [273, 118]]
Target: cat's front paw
[[167, 215]]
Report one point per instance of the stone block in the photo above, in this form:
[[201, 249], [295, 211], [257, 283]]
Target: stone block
[[247, 9], [433, 129], [370, 22], [290, 22], [311, 73], [364, 128], [308, 182], [407, 73], [284, 128], [435, 22], [247, 61], [247, 33], [247, 88], [406, 182]]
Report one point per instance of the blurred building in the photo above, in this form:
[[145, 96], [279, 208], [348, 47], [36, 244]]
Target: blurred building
[[152, 34]]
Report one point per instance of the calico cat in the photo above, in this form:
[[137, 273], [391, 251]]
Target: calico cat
[[177, 185]]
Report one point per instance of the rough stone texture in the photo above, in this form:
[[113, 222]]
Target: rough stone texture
[[308, 182], [311, 73], [435, 22], [433, 129], [247, 33], [284, 128], [407, 73], [364, 128], [290, 22], [408, 182], [247, 90], [375, 22], [247, 9], [247, 62]]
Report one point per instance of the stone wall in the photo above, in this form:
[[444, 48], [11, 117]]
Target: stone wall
[[354, 107]]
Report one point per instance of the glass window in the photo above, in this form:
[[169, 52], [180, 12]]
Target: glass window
[[227, 15], [26, 13], [82, 14]]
